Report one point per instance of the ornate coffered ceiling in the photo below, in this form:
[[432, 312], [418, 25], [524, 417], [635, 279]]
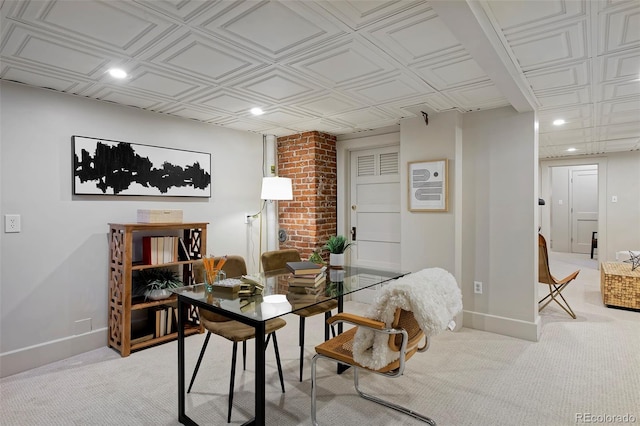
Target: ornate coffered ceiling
[[343, 67]]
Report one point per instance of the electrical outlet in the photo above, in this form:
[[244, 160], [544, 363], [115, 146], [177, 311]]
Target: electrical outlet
[[477, 287], [11, 223], [246, 217]]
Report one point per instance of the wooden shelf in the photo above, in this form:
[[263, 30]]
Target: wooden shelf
[[163, 265], [166, 338], [121, 269], [145, 304]]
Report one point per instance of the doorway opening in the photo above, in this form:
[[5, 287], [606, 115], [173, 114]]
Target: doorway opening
[[574, 209]]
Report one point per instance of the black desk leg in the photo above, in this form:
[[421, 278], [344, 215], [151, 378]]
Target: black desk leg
[[341, 367], [182, 416], [260, 373]]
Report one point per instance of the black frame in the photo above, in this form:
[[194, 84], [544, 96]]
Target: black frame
[[107, 167]]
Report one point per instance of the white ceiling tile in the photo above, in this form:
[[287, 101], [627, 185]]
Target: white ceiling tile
[[193, 113], [617, 112], [116, 25], [388, 89], [620, 89], [273, 29], [514, 16], [563, 98], [414, 38], [323, 105], [478, 96], [342, 63], [566, 76], [229, 102], [619, 28], [183, 10], [37, 49], [357, 13], [621, 65], [201, 57], [575, 116], [283, 116], [276, 85], [452, 71], [36, 77], [363, 117], [126, 98], [160, 84], [550, 46]]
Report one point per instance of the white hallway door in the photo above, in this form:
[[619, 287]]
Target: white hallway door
[[584, 209], [375, 208]]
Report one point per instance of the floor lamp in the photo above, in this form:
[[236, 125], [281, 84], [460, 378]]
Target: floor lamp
[[273, 189]]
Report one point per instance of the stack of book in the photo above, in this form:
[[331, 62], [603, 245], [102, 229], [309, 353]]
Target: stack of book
[[305, 268], [306, 289]]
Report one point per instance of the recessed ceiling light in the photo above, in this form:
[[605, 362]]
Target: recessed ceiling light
[[117, 73], [558, 122], [257, 111], [571, 149]]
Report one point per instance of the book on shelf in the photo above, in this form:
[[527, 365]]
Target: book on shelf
[[160, 250], [163, 322], [146, 250], [154, 251], [315, 281], [169, 325], [305, 268], [142, 339]]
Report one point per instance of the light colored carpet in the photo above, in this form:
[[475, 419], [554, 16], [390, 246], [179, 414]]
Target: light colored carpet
[[588, 366]]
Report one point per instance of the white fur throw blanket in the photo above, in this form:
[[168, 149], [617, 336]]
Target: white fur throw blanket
[[431, 294]]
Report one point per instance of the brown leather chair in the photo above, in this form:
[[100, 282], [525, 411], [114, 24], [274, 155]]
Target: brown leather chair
[[405, 336], [277, 259], [232, 330], [555, 286]]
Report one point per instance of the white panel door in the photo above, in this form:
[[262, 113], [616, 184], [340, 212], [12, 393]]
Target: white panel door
[[584, 209], [375, 208]]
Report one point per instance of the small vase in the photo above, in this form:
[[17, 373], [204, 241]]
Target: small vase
[[158, 294], [336, 260]]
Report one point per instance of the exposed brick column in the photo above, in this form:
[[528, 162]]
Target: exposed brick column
[[309, 159]]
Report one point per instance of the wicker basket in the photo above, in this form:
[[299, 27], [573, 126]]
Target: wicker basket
[[620, 285]]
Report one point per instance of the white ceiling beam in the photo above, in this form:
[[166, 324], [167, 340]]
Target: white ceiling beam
[[469, 23]]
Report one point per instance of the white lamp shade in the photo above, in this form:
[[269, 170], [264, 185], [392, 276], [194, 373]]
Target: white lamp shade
[[276, 188]]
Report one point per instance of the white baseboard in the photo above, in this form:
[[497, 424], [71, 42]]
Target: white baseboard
[[45, 353], [500, 325]]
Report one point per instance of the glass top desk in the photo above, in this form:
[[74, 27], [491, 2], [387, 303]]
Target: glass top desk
[[271, 303]]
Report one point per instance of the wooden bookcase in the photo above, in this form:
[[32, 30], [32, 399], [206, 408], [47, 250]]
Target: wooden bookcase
[[125, 242]]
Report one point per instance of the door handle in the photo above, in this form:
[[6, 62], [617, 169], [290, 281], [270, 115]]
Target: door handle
[[353, 233]]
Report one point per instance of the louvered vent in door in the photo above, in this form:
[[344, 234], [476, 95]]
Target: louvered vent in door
[[366, 165], [389, 163]]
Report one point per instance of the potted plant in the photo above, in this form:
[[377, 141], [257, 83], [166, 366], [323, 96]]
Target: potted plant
[[336, 246], [155, 283]]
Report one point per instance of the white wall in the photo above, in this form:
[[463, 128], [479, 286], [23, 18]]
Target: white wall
[[500, 208], [54, 272]]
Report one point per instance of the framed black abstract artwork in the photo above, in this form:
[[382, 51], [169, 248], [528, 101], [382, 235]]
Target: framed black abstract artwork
[[105, 167]]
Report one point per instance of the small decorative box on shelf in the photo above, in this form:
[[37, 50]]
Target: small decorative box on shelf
[[620, 286], [159, 216]]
